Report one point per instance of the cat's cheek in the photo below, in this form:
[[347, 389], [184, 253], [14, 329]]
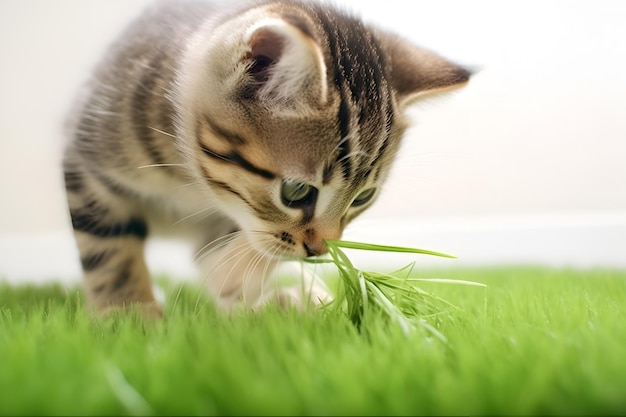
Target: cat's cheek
[[237, 211]]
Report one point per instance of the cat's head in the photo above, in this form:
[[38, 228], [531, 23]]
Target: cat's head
[[291, 115]]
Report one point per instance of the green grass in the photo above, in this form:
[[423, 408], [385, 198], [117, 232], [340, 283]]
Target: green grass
[[392, 296], [535, 341]]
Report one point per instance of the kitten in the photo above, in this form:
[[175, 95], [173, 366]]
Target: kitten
[[258, 130]]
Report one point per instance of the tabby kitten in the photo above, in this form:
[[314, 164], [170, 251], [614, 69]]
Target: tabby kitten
[[258, 130]]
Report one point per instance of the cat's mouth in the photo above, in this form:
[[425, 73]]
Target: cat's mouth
[[286, 246]]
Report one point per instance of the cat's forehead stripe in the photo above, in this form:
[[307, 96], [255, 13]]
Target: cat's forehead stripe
[[232, 137], [236, 159], [220, 184], [365, 114], [232, 157], [344, 141], [384, 143], [265, 210]]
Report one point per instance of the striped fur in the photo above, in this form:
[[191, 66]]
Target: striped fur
[[208, 121]]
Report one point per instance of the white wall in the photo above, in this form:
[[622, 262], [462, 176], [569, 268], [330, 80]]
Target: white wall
[[538, 135]]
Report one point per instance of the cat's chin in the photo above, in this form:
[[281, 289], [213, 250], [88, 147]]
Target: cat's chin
[[277, 252]]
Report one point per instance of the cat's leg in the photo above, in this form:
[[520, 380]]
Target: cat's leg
[[309, 290], [110, 236]]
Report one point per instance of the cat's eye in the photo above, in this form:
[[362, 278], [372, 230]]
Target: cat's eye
[[293, 193], [364, 197]]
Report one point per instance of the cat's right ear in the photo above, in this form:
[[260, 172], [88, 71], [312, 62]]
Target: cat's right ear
[[417, 72], [285, 64]]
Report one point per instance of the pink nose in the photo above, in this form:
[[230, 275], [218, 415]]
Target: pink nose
[[313, 240], [315, 249]]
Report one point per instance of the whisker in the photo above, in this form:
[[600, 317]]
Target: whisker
[[207, 278], [240, 257], [210, 210], [266, 255], [232, 251], [163, 132], [276, 249], [189, 184], [258, 263], [218, 243], [159, 165], [342, 141], [249, 274], [352, 155]]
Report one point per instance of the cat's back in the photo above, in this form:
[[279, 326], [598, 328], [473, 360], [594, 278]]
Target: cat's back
[[126, 96], [155, 39]]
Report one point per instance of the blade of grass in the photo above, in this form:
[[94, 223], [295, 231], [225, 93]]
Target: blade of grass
[[351, 288], [393, 296], [449, 281], [389, 308], [383, 248]]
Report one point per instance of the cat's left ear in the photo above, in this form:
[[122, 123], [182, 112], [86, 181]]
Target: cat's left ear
[[418, 72], [285, 63]]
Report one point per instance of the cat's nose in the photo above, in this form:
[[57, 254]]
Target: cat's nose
[[315, 249], [313, 239]]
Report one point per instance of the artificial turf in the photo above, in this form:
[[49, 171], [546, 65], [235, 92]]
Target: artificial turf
[[535, 341]]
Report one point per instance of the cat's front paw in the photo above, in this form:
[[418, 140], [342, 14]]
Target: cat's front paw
[[300, 298]]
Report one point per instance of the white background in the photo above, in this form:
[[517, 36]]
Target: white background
[[526, 165]]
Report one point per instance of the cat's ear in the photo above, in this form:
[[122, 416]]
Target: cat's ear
[[285, 63], [418, 72]]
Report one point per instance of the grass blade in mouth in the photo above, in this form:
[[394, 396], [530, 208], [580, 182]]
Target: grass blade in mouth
[[392, 296], [383, 248]]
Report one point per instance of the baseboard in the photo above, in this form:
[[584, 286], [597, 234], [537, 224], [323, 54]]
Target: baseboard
[[558, 241]]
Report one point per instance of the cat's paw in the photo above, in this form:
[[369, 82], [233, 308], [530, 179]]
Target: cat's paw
[[296, 296]]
